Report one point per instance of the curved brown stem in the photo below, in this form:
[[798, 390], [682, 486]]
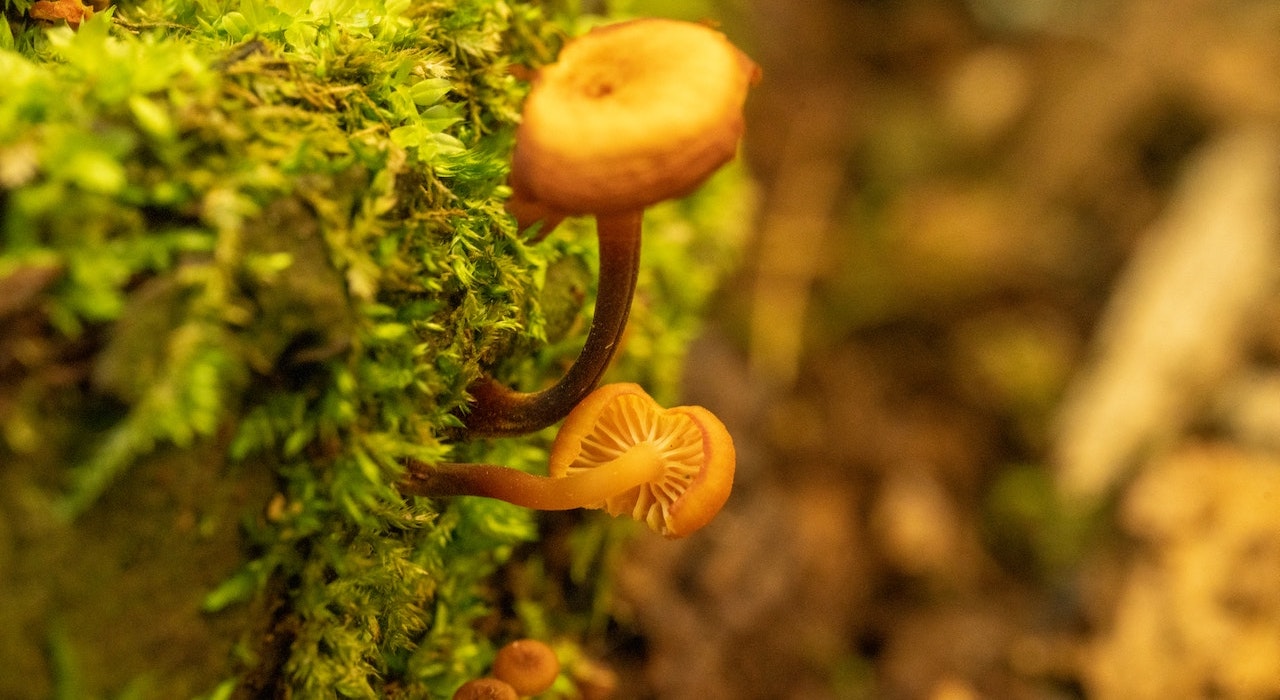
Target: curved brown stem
[[500, 410], [639, 465]]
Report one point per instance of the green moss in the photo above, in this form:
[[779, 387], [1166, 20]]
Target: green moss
[[259, 250]]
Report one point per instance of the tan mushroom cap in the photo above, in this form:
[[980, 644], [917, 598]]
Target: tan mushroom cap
[[486, 689], [696, 450], [629, 115], [528, 665]]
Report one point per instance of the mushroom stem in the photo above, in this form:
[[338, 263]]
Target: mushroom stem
[[500, 410], [638, 465]]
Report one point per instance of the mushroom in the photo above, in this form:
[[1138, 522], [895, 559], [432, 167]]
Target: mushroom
[[617, 450], [631, 114], [528, 665], [73, 12], [485, 689]]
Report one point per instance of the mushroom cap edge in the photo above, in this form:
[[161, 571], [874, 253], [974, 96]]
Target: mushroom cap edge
[[584, 154], [705, 494]]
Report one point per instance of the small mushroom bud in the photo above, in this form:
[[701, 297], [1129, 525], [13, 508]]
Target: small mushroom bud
[[530, 666], [593, 679], [486, 689], [73, 12], [631, 114]]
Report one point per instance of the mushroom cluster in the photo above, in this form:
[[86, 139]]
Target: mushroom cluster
[[631, 114], [618, 450], [522, 668]]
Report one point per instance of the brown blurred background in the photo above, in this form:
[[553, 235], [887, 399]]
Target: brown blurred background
[[1001, 364]]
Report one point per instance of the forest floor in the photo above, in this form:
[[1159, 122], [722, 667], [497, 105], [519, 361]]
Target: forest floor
[[1002, 366]]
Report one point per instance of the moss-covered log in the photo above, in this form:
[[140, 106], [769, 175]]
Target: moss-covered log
[[251, 256]]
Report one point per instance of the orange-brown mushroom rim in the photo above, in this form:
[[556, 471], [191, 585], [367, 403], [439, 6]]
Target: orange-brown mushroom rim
[[697, 450]]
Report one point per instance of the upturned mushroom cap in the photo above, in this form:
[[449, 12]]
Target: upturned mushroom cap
[[631, 114], [528, 665], [695, 448]]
